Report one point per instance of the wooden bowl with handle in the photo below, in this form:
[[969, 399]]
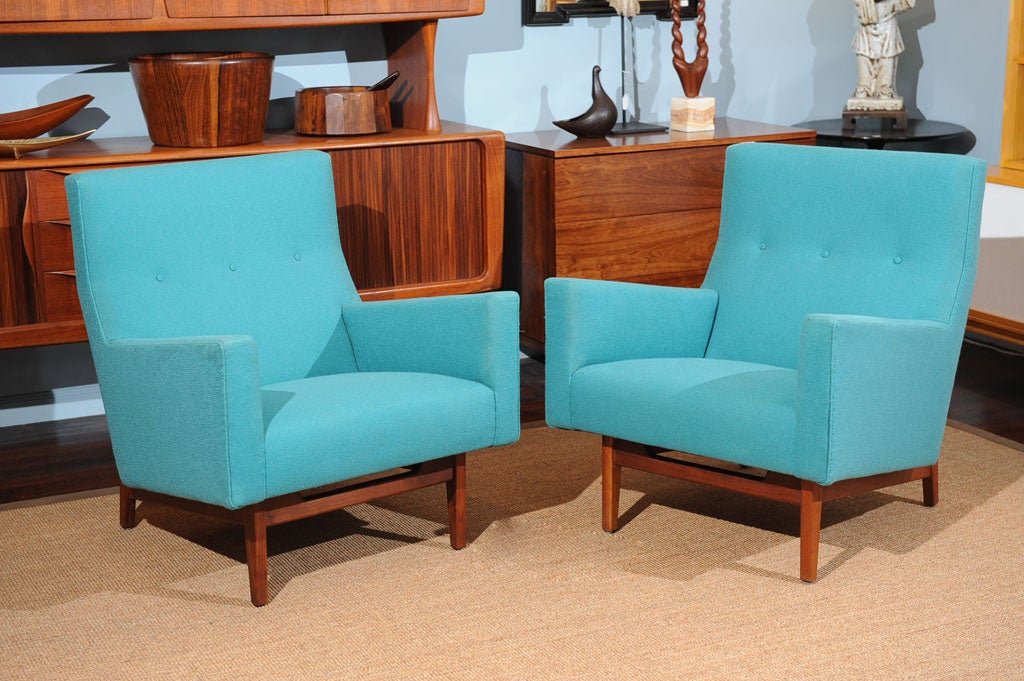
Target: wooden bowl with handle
[[342, 110]]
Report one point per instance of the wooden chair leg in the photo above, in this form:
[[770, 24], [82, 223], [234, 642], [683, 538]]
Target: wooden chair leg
[[255, 522], [128, 519], [611, 483], [810, 529], [456, 492], [931, 486]]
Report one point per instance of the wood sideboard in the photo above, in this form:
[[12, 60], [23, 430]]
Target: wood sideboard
[[420, 213], [641, 208], [419, 207]]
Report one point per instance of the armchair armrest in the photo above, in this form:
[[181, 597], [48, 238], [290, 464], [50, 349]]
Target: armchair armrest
[[185, 416], [474, 337], [872, 394], [593, 322]]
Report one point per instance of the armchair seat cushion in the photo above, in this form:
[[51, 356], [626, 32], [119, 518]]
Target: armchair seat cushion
[[324, 429], [741, 412]]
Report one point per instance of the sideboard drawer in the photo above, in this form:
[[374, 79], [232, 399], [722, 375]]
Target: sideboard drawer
[[53, 245], [74, 10], [60, 297], [395, 6], [204, 9], [47, 195]]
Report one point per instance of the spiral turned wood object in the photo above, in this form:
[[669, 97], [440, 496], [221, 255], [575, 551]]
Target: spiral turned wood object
[[691, 74]]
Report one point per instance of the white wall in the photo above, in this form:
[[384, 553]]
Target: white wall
[[999, 288]]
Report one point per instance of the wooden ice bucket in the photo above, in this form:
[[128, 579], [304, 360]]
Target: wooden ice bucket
[[204, 99], [342, 110]]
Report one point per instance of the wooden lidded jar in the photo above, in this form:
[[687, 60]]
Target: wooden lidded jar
[[204, 99], [342, 110]]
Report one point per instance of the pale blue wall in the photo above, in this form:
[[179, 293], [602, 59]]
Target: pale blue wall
[[778, 61]]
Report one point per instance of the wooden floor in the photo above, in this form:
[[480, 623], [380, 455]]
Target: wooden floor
[[74, 455]]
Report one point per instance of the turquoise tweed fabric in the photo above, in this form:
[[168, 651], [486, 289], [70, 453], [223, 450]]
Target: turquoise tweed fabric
[[824, 340], [218, 306]]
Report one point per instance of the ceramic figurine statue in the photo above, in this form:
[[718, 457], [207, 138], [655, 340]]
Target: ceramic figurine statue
[[877, 45], [599, 119]]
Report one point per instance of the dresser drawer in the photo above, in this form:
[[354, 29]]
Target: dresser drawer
[[671, 248], [639, 183]]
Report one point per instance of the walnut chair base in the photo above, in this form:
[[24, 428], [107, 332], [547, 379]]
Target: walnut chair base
[[808, 495], [257, 518]]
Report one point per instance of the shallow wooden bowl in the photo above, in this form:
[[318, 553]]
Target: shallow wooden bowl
[[342, 110], [34, 122], [204, 99]]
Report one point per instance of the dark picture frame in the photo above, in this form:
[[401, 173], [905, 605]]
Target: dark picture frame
[[565, 11]]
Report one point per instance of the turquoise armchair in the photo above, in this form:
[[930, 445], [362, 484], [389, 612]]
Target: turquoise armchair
[[816, 360], [239, 368]]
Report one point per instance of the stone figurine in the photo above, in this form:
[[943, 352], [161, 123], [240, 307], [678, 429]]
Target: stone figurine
[[877, 45]]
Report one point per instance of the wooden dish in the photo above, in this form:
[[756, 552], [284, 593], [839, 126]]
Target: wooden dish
[[204, 99], [18, 148], [33, 122], [342, 110]]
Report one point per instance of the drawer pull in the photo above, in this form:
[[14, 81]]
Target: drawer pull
[[64, 273]]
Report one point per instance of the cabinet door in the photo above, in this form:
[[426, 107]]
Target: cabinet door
[[74, 10], [243, 8], [395, 6], [413, 215]]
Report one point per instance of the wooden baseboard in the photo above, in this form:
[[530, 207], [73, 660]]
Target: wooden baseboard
[[1001, 328]]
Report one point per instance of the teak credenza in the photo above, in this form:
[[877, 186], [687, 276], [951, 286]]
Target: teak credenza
[[641, 208], [420, 207]]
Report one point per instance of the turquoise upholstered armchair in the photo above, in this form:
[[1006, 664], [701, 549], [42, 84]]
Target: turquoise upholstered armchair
[[239, 368], [817, 358]]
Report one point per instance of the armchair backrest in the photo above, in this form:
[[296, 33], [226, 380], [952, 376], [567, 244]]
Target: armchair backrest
[[843, 231], [245, 245]]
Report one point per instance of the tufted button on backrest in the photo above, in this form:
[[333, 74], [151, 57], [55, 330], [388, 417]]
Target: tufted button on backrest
[[244, 245], [820, 230]]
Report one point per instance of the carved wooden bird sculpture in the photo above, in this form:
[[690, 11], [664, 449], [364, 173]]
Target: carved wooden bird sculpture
[[599, 119]]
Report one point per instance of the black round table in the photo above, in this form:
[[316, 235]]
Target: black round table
[[878, 133]]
